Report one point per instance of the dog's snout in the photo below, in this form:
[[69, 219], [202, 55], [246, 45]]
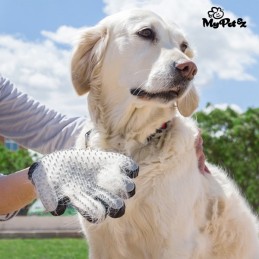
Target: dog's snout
[[188, 69]]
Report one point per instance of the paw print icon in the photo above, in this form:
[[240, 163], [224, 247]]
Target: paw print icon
[[216, 13]]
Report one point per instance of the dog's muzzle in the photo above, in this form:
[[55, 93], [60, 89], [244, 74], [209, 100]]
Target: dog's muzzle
[[183, 72]]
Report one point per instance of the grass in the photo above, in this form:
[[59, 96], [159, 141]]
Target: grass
[[54, 248]]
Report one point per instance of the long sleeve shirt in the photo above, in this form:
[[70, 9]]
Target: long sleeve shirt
[[33, 125]]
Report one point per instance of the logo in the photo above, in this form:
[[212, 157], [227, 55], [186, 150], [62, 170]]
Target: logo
[[216, 20], [216, 13]]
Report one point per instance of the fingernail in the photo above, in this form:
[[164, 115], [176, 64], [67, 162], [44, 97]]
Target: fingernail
[[116, 213], [61, 208], [131, 189], [133, 171]]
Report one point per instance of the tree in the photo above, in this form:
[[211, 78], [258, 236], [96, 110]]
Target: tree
[[11, 161], [231, 140]]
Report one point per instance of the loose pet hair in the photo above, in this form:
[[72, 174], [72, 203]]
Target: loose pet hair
[[138, 70]]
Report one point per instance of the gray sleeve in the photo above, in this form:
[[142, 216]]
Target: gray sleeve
[[32, 125], [8, 216]]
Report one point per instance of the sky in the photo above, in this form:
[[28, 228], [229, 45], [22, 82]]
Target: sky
[[37, 38]]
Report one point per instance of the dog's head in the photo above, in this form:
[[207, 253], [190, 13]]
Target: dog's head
[[137, 58]]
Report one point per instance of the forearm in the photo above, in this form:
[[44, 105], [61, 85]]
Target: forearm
[[16, 191], [33, 125]]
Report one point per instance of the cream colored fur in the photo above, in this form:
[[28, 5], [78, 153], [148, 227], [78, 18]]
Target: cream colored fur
[[177, 212]]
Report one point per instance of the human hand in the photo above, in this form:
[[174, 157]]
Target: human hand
[[94, 182], [200, 154]]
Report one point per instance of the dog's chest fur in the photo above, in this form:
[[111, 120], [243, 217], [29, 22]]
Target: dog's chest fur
[[168, 166]]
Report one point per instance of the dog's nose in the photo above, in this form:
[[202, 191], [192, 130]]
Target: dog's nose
[[188, 69]]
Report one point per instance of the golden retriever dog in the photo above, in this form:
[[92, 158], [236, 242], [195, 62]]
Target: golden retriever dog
[[137, 70]]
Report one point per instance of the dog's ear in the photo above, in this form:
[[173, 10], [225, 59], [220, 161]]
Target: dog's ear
[[188, 104], [87, 56]]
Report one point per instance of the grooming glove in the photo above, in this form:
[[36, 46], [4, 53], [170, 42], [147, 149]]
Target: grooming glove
[[94, 182]]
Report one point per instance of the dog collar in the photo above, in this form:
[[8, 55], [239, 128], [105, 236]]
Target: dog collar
[[87, 135], [158, 132], [198, 145]]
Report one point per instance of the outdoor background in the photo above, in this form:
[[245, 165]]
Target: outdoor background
[[36, 38], [36, 42]]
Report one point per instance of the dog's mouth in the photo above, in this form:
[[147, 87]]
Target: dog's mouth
[[167, 96]]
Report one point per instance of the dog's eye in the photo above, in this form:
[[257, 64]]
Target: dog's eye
[[183, 46], [147, 33]]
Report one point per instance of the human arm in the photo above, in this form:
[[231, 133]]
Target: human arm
[[33, 125], [16, 192]]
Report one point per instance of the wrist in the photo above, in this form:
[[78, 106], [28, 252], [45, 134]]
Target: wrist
[[16, 192]]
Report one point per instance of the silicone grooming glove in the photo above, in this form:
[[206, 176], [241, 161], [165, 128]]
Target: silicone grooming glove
[[94, 182]]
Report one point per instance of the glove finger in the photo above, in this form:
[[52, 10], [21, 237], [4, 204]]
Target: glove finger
[[118, 212], [45, 191], [116, 183], [91, 209], [113, 204], [130, 169], [127, 165], [114, 212], [96, 204], [130, 188], [61, 208]]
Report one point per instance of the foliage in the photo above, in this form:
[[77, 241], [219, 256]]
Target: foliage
[[54, 248], [11, 161], [231, 140]]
